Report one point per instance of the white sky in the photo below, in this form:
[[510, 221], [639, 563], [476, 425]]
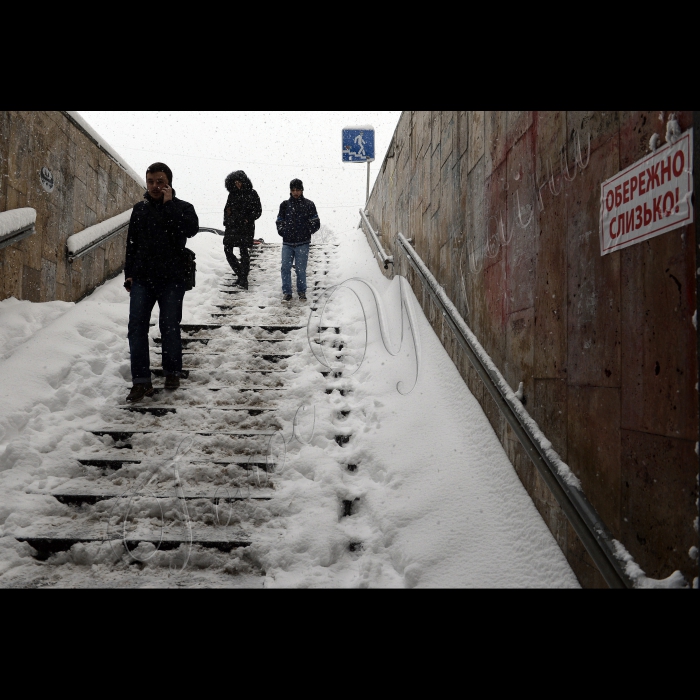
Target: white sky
[[201, 148]]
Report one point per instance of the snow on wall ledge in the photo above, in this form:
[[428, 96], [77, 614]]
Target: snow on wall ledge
[[93, 234], [81, 123], [16, 220]]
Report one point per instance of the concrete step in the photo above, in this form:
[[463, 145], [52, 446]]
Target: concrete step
[[233, 340], [116, 464], [158, 371], [276, 357], [221, 387], [47, 544], [120, 435], [164, 410], [224, 339], [73, 497], [270, 328]]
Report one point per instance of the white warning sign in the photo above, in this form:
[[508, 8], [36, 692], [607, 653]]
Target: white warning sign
[[651, 197]]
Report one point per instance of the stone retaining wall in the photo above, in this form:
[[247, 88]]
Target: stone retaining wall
[[89, 186]]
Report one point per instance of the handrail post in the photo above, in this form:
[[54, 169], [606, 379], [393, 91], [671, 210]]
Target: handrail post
[[386, 259], [367, 197]]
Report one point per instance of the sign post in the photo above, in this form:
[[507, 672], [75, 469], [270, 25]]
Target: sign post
[[358, 147]]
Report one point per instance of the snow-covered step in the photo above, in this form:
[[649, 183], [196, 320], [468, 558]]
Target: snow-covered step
[[207, 449], [226, 339], [233, 339], [82, 496], [47, 544], [163, 410], [108, 463], [225, 375], [120, 435], [270, 328], [251, 285], [221, 387], [277, 357], [309, 271], [275, 254], [203, 361], [116, 463], [286, 308], [187, 419], [191, 386], [266, 327], [158, 371]]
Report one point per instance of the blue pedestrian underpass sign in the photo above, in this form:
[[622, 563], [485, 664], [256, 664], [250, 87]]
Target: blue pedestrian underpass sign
[[358, 144]]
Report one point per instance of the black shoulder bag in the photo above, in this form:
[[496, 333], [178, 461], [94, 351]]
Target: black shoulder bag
[[190, 268]]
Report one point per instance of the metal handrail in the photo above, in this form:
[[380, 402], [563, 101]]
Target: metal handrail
[[587, 524], [386, 259], [18, 235], [96, 243]]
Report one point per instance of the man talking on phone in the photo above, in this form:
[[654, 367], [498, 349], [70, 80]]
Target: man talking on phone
[[156, 270]]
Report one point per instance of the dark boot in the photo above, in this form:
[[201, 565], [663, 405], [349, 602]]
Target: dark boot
[[242, 282], [139, 391], [172, 383]]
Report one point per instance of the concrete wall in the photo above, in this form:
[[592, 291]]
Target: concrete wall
[[605, 346], [90, 187]]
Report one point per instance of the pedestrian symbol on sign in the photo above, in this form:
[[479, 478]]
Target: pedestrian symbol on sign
[[361, 143]]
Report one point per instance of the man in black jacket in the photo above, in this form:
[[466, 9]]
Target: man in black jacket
[[296, 222], [242, 209], [156, 270]]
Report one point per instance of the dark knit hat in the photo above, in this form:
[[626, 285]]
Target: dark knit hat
[[296, 184]]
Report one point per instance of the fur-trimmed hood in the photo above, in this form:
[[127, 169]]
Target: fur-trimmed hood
[[241, 177]]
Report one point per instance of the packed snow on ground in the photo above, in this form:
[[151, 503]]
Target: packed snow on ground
[[435, 500], [16, 219], [19, 320], [91, 234]]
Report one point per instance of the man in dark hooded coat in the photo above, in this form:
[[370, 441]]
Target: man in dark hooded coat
[[242, 209]]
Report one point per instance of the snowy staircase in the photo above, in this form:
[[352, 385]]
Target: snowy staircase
[[155, 499]]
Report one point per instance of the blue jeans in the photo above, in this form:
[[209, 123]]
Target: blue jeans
[[300, 255], [169, 296]]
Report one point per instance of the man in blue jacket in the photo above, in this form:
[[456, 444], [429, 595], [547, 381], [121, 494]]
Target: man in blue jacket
[[296, 222], [158, 268]]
